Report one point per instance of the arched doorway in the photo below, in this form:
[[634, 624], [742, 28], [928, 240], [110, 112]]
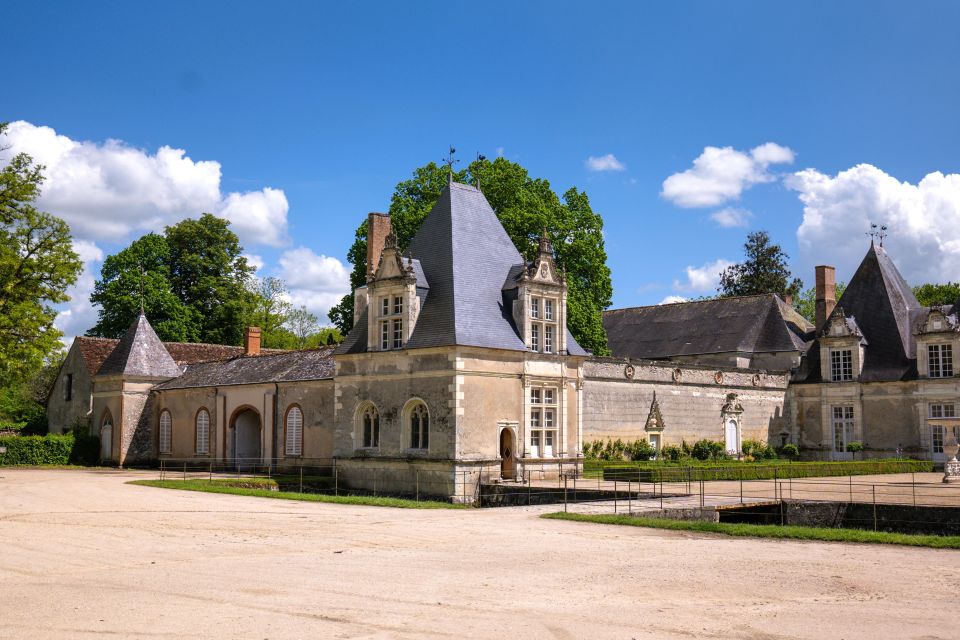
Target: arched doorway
[[106, 436], [508, 463], [247, 441], [731, 433]]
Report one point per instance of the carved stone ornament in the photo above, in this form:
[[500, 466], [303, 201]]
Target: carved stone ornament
[[628, 372], [677, 374], [732, 405], [756, 380], [718, 377]]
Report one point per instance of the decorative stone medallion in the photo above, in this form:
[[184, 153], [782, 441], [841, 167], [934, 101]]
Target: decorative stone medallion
[[756, 379], [718, 377], [628, 372], [677, 374]]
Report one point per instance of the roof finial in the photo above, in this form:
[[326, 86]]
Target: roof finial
[[877, 232], [141, 289], [450, 161]]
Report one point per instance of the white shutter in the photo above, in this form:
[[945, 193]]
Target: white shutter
[[294, 431], [165, 429], [203, 432]]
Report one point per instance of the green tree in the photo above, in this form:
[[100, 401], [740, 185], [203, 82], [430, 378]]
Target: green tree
[[806, 302], [192, 281], [140, 275], [302, 324], [37, 265], [929, 295], [763, 271], [525, 206], [270, 310]]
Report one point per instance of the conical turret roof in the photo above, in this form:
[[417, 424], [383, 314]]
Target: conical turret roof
[[140, 353]]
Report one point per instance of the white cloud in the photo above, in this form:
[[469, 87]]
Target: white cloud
[[78, 315], [315, 281], [704, 278], [108, 191], [721, 174], [500, 152], [731, 217], [607, 162], [672, 300], [255, 261], [923, 221]]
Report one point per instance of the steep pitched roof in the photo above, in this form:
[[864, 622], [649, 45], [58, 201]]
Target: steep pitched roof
[[140, 353], [466, 257], [95, 351], [749, 324], [288, 366], [886, 312]]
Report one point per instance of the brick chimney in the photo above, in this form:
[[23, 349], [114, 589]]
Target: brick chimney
[[378, 228], [826, 294], [251, 341]]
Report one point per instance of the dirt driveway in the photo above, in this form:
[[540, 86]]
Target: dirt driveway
[[86, 555]]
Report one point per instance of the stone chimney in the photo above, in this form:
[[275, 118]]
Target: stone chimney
[[251, 341], [378, 228], [826, 294]]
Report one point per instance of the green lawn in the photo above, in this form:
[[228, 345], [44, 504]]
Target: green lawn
[[247, 488], [769, 531], [696, 470]]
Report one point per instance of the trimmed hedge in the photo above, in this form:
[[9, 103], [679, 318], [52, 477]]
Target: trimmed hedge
[[49, 450], [659, 472]]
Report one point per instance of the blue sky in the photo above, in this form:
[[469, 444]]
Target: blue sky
[[299, 118]]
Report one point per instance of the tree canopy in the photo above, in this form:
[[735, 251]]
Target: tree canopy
[[37, 265], [763, 271], [806, 302], [937, 294], [193, 282], [525, 207]]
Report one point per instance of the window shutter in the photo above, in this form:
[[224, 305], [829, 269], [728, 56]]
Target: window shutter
[[203, 432], [294, 431], [165, 435]]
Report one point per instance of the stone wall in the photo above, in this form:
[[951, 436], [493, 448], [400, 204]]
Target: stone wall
[[67, 414], [618, 394]]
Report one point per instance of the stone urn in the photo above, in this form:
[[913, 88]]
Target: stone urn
[[951, 468]]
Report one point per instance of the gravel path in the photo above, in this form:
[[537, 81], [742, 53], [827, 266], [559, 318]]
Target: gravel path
[[86, 555]]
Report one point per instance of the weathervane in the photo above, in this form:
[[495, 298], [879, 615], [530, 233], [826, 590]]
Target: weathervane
[[450, 161], [877, 232]]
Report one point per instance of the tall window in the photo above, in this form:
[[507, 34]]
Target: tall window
[[294, 431], [534, 307], [941, 360], [391, 323], [535, 337], [543, 421], [841, 364], [548, 338], [936, 437], [543, 330], [547, 309], [370, 424], [419, 427], [203, 432], [166, 432], [842, 428], [68, 387]]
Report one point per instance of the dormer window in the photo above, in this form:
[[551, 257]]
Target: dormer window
[[548, 309], [385, 306], [534, 307], [940, 360], [391, 323], [535, 337], [841, 365], [397, 305]]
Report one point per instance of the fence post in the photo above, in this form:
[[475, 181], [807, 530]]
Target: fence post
[[336, 479], [418, 487], [874, 507], [913, 486], [741, 485], [374, 482], [211, 471], [564, 493], [614, 494], [301, 477], [574, 487], [781, 505], [701, 492], [184, 470], [161, 469], [850, 478]]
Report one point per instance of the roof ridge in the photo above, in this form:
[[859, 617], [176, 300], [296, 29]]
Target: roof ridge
[[716, 299]]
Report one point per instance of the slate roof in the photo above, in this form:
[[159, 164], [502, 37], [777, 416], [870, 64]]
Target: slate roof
[[288, 366], [95, 351], [140, 353], [887, 314], [466, 257], [748, 324]]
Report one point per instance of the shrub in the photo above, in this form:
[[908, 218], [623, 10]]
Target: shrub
[[702, 450], [671, 452], [790, 451], [640, 450], [49, 450], [854, 447]]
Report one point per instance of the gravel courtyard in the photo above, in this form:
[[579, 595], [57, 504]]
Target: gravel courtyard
[[86, 555]]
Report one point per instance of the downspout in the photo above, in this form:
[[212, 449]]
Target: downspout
[[276, 411]]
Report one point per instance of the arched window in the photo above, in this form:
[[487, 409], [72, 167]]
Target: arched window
[[370, 427], [203, 432], [166, 431], [294, 431], [419, 426]]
